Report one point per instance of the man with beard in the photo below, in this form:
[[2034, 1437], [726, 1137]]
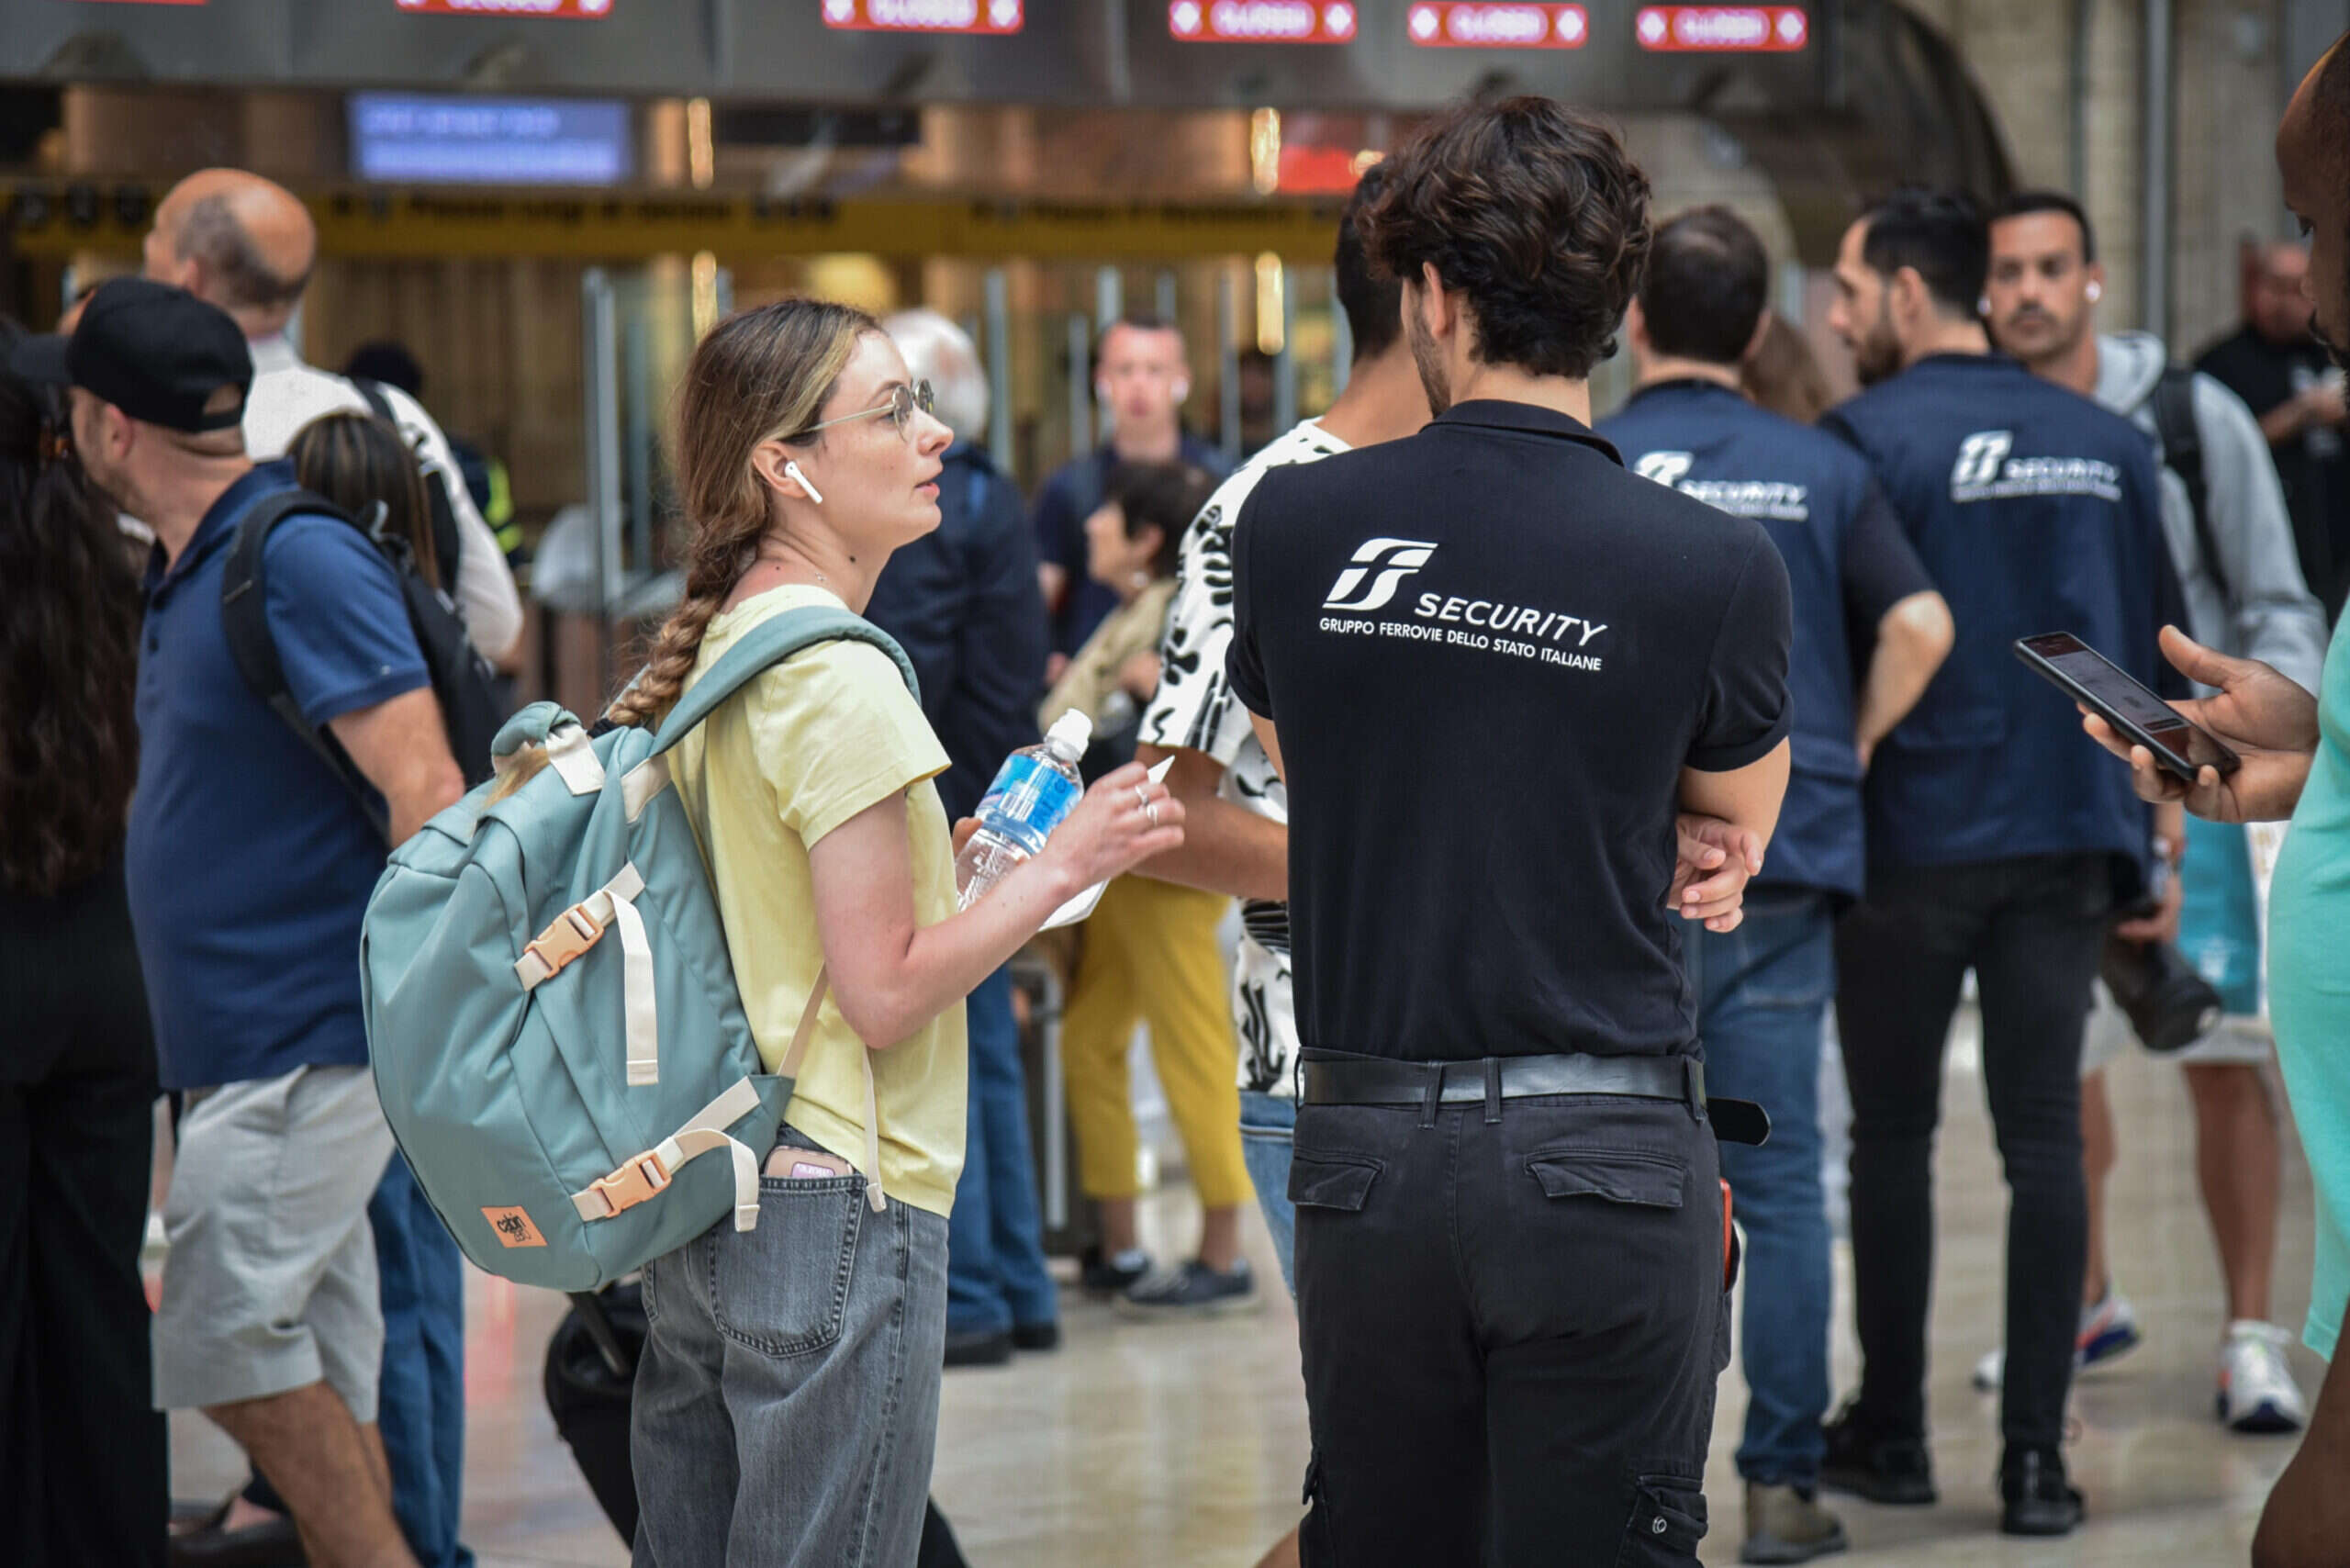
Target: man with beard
[[1990, 848], [249, 865], [2232, 542], [1491, 666], [1763, 990], [2296, 762]]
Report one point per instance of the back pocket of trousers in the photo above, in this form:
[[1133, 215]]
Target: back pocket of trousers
[[1668, 1521], [1618, 1175], [782, 1289], [1332, 1181]]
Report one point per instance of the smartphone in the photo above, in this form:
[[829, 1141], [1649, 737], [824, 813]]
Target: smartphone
[[2138, 715]]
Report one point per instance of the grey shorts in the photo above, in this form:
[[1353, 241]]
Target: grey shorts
[[270, 1282]]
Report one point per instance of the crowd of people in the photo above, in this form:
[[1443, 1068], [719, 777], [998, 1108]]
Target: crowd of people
[[1568, 774]]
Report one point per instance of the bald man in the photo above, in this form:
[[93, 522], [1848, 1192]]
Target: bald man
[[248, 246], [2271, 363]]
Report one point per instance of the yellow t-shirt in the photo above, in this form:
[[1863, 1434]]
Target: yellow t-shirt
[[799, 751]]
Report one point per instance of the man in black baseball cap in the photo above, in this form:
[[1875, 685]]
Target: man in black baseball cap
[[159, 353], [248, 866], [144, 354]]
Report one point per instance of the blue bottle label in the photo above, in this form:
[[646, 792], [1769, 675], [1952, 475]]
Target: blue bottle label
[[1029, 799]]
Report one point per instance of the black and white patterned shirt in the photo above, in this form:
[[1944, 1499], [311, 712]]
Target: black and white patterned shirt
[[1194, 709]]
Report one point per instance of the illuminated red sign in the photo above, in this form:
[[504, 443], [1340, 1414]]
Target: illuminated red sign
[[591, 10], [1723, 30], [1457, 24], [925, 16], [1261, 21]]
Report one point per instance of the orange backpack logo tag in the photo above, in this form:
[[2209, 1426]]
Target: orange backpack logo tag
[[514, 1227]]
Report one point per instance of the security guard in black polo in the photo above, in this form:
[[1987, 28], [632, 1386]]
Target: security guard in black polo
[[1763, 990], [1492, 666], [1990, 846]]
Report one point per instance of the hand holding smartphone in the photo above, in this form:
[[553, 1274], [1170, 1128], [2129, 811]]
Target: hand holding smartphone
[[2179, 748]]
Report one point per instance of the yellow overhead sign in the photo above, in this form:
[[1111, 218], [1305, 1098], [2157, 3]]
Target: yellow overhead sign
[[46, 220]]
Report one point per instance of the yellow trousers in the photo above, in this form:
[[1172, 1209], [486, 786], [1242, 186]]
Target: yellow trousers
[[1150, 957]]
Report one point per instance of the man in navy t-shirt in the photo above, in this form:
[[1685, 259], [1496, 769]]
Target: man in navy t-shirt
[[1990, 847], [1491, 666], [250, 866], [1763, 989], [1141, 378]]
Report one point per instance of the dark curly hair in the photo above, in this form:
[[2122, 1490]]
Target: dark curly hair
[[1164, 495], [1942, 235], [69, 654], [1532, 210]]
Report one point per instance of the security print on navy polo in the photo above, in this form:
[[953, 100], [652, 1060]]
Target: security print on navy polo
[[1492, 666]]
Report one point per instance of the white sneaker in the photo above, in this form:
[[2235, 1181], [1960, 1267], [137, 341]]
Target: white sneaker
[[2256, 1389], [2107, 1331]]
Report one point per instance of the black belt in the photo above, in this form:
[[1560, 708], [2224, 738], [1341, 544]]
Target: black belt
[[1376, 1081]]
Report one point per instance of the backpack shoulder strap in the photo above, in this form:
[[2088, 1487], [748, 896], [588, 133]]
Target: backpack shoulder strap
[[771, 642], [447, 540], [377, 404], [2182, 440], [244, 621]]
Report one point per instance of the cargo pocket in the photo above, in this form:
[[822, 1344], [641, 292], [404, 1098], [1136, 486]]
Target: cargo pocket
[[1618, 1175], [1668, 1521], [1340, 1182], [782, 1289]]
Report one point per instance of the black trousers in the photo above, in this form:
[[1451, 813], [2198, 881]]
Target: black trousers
[[1510, 1329], [2031, 929], [83, 1476]]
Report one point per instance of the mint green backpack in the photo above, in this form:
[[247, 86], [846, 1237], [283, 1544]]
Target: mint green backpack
[[550, 1010]]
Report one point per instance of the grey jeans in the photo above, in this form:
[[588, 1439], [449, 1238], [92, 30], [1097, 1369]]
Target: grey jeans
[[787, 1405]]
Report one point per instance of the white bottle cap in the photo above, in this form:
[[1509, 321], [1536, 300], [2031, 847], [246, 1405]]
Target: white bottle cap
[[1069, 736]]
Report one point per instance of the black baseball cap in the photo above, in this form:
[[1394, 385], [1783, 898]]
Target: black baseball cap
[[159, 353]]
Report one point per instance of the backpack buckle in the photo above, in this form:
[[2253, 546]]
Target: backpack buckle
[[564, 941], [641, 1178]]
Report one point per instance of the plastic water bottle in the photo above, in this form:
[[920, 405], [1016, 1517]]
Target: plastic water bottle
[[1036, 789]]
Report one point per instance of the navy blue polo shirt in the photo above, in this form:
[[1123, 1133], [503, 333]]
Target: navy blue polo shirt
[[2035, 510], [1848, 563], [1489, 652], [1068, 498], [249, 863]]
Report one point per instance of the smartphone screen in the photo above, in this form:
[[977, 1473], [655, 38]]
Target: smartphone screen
[[2108, 690]]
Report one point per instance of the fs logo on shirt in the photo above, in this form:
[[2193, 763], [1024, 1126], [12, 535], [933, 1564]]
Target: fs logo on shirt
[[1667, 468], [1979, 456], [1986, 471], [1385, 562]]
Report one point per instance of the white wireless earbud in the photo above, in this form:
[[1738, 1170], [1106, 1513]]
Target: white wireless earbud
[[1182, 389], [1983, 306], [2097, 292], [793, 470]]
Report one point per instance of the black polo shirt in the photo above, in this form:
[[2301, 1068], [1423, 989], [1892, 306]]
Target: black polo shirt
[[1490, 650]]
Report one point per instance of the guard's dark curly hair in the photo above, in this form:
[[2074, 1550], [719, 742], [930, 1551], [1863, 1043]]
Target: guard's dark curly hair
[[69, 654], [1532, 210]]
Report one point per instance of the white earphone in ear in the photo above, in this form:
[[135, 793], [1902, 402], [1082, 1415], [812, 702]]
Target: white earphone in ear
[[793, 471], [1181, 390], [1983, 306], [2096, 291]]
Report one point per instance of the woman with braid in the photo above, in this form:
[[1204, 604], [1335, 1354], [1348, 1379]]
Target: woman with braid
[[787, 1401]]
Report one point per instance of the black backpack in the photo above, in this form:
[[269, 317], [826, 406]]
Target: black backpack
[[461, 679], [2182, 454]]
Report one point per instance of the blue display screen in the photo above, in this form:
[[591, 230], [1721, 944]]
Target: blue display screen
[[490, 141]]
